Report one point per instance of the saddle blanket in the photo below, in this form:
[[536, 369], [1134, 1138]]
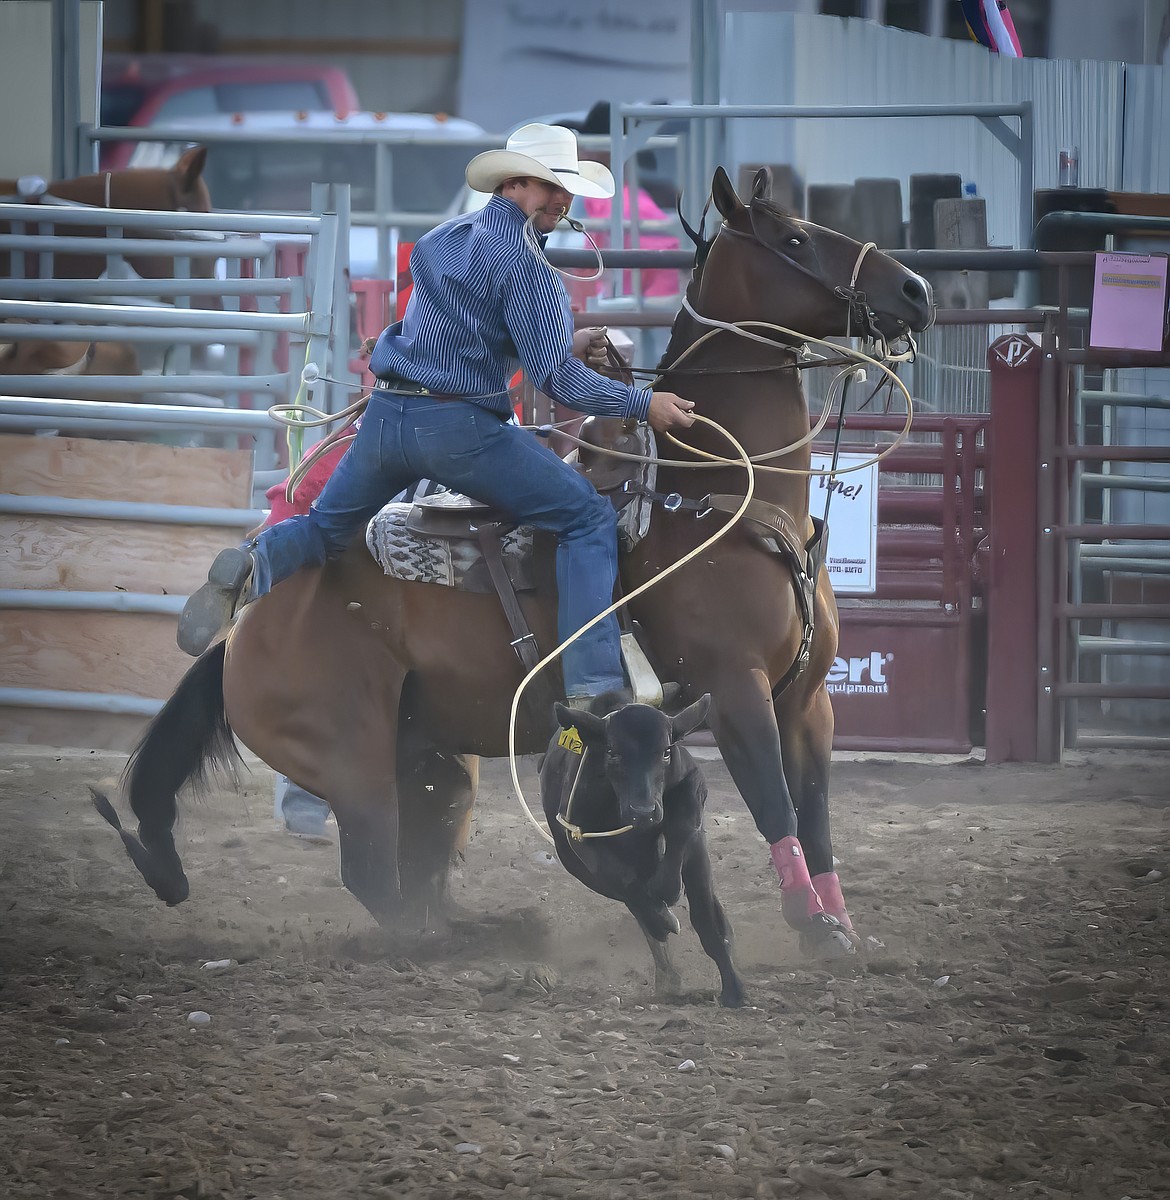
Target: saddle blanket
[[454, 562]]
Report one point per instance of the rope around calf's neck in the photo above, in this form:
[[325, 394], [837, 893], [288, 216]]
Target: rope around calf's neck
[[745, 461]]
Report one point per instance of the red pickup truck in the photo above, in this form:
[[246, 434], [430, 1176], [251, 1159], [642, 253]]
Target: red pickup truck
[[150, 89]]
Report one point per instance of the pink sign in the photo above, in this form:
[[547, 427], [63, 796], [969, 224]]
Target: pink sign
[[1129, 302]]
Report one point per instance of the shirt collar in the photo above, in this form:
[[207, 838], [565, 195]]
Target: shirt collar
[[502, 213]]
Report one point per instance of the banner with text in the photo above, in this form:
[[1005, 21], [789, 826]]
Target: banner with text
[[853, 518]]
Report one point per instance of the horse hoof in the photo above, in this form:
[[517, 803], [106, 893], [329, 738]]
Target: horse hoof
[[826, 937]]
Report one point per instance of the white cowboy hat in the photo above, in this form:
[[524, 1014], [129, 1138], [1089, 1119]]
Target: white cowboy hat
[[547, 152]]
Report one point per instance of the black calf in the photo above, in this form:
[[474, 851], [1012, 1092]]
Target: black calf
[[625, 774]]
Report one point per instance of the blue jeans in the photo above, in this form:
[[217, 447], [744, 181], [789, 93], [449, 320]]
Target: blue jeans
[[470, 450]]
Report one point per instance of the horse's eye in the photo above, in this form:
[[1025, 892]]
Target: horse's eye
[[796, 241], [666, 754]]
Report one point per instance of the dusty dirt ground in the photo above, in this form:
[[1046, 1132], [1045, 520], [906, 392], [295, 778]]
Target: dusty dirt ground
[[1003, 1032]]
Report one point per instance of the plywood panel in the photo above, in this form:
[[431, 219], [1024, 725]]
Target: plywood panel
[[106, 556], [89, 469], [132, 654]]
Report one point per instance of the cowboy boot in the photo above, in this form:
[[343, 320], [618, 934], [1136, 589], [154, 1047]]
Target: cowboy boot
[[214, 604]]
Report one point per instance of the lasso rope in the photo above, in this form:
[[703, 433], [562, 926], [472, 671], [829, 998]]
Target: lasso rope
[[743, 460]]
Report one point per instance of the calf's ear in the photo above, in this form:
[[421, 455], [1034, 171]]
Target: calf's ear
[[690, 718], [586, 724]]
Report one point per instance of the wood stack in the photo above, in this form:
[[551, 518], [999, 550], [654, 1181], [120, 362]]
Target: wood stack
[[94, 649]]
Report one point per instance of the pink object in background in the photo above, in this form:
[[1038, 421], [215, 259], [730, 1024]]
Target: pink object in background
[[1129, 302], [655, 282]]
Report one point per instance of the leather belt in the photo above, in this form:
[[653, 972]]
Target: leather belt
[[407, 387]]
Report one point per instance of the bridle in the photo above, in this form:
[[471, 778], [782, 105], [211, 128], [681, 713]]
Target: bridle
[[861, 320]]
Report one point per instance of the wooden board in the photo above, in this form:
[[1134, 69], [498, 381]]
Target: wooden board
[[130, 654], [108, 556], [88, 469]]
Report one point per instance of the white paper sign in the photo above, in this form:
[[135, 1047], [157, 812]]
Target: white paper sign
[[852, 550]]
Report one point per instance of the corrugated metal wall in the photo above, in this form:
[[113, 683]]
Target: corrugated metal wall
[[1147, 147], [1116, 116]]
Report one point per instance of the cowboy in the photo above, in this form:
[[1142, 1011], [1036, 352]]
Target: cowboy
[[485, 300]]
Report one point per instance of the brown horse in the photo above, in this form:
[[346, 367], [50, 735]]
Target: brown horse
[[180, 188], [378, 694]]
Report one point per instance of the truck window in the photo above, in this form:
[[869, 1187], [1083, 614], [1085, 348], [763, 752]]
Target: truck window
[[192, 102], [272, 96], [254, 176]]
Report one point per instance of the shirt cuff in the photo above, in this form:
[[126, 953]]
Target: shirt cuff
[[638, 405]]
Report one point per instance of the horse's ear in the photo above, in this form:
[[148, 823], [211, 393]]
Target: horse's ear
[[762, 184], [190, 167], [690, 718], [722, 192]]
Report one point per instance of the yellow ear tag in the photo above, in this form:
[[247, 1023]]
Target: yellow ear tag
[[570, 739]]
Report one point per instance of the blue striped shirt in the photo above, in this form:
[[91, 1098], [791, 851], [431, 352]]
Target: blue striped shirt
[[484, 304]]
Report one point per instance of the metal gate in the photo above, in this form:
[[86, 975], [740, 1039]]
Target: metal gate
[[908, 673], [1078, 647]]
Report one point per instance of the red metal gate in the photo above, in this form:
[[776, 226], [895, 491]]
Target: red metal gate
[[908, 673]]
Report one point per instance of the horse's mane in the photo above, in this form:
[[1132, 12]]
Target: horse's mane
[[702, 249], [777, 210], [672, 351]]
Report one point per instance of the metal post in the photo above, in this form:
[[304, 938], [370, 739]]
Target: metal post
[[1027, 163], [1048, 724], [1012, 603], [617, 166], [65, 36]]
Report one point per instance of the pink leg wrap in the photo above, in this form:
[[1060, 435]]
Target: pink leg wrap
[[828, 887], [798, 898]]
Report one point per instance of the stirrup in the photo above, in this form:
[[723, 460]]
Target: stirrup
[[646, 686]]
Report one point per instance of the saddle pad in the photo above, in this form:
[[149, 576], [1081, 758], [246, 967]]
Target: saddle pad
[[454, 562]]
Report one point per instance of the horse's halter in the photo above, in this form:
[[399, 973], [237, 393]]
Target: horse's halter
[[861, 320]]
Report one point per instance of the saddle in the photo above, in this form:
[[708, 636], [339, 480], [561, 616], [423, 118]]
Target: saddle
[[458, 541]]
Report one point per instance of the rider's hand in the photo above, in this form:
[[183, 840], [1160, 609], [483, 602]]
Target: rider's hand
[[589, 346], [669, 411]]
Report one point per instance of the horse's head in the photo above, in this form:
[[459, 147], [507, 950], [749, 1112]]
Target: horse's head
[[636, 745], [180, 188], [767, 265]]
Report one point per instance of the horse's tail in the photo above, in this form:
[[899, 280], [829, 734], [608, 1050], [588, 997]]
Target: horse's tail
[[190, 734]]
